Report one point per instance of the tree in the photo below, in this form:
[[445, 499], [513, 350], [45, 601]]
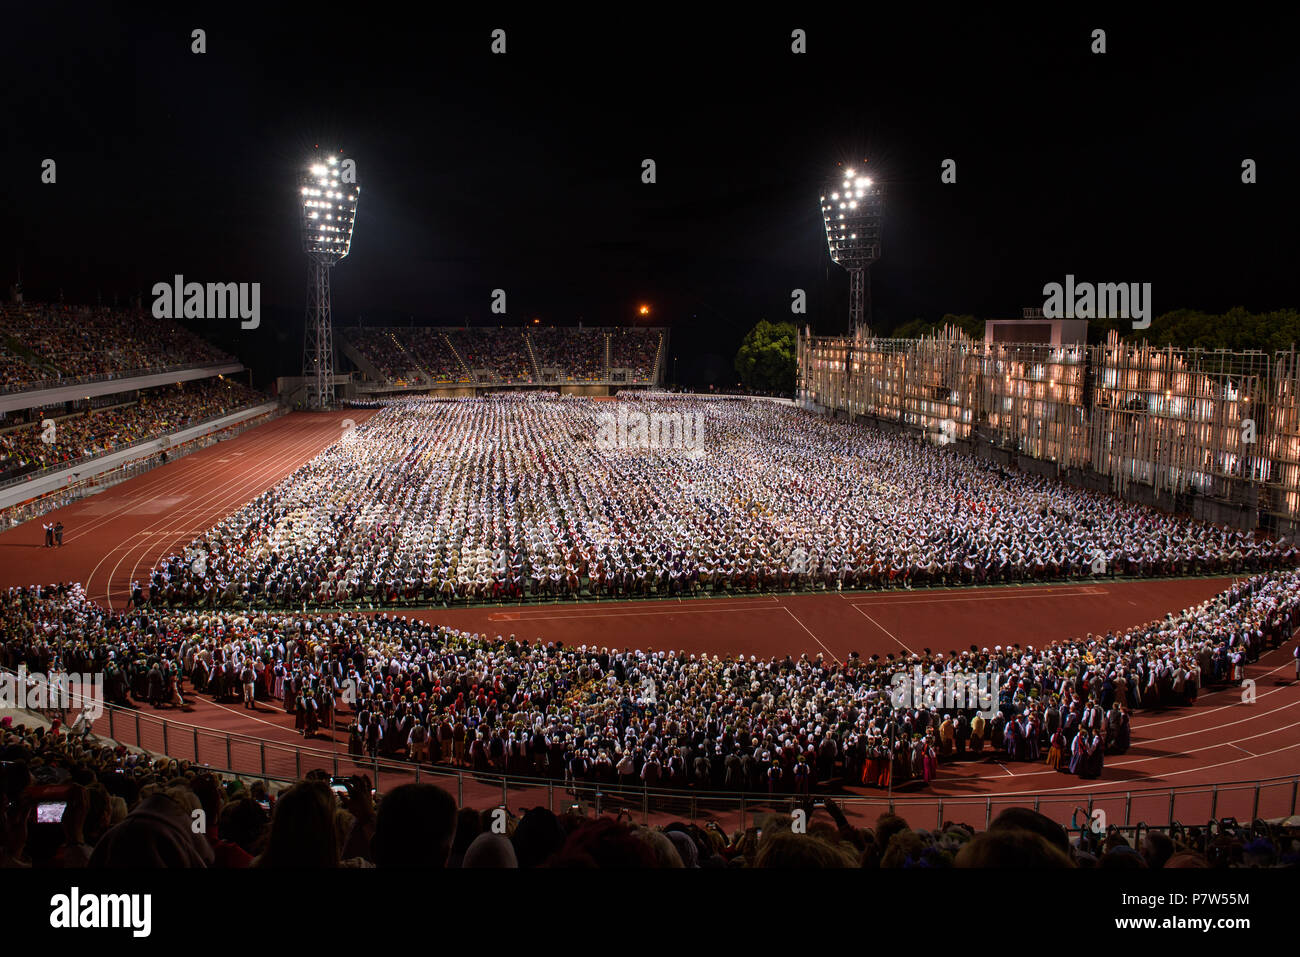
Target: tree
[[916, 328], [766, 359], [1237, 329]]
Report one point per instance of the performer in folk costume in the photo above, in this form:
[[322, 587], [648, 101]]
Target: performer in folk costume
[[299, 708], [1095, 757], [1123, 731], [311, 721], [1056, 751], [1078, 752], [930, 761]]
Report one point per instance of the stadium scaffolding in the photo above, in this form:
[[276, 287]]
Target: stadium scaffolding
[[1170, 422]]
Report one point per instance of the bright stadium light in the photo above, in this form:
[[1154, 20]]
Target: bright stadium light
[[327, 215], [853, 224]]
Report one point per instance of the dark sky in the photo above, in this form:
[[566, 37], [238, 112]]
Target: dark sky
[[523, 171]]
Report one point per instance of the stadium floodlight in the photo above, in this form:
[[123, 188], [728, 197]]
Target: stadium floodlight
[[852, 209], [328, 209]]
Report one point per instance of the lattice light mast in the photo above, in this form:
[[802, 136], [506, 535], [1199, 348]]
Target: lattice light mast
[[329, 207], [852, 209]]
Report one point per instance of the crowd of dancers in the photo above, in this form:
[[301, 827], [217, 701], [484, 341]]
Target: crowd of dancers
[[410, 690], [514, 497]]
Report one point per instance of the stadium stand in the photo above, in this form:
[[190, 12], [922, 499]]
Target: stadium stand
[[48, 345], [113, 422], [501, 351], [433, 354], [578, 353], [507, 355], [636, 350]]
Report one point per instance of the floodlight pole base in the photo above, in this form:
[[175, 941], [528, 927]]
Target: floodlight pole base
[[318, 338]]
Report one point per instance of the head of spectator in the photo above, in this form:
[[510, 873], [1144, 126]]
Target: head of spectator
[[789, 851], [414, 827], [303, 830], [1027, 819], [244, 822], [158, 833], [604, 845], [1186, 859], [490, 850], [1157, 848], [536, 837], [661, 845], [1012, 847]]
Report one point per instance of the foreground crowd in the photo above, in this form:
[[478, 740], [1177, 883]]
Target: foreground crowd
[[515, 497], [123, 810], [629, 719]]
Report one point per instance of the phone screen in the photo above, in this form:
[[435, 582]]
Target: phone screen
[[50, 812]]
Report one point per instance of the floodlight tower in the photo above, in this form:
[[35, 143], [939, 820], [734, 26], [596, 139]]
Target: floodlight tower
[[329, 206], [852, 209]]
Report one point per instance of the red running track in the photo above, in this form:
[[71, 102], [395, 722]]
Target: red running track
[[115, 537]]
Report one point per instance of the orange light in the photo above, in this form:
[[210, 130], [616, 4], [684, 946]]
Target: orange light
[[644, 310]]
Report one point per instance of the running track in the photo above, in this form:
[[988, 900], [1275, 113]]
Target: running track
[[114, 537]]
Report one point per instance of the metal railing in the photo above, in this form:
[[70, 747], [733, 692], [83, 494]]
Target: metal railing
[[59, 382]]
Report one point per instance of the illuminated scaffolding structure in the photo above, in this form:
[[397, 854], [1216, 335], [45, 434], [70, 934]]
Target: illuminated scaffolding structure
[[1283, 439], [1179, 422], [1033, 399], [1175, 419]]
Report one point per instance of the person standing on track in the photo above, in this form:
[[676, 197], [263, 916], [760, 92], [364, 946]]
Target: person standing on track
[[248, 678], [49, 535], [58, 534]]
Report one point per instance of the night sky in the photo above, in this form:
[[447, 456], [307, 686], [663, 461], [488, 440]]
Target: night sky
[[523, 171]]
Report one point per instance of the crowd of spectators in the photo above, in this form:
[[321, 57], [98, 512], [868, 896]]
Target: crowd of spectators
[[636, 350], [578, 353], [433, 353], [509, 354], [381, 348], [504, 351], [47, 345], [90, 432], [15, 373], [437, 500]]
